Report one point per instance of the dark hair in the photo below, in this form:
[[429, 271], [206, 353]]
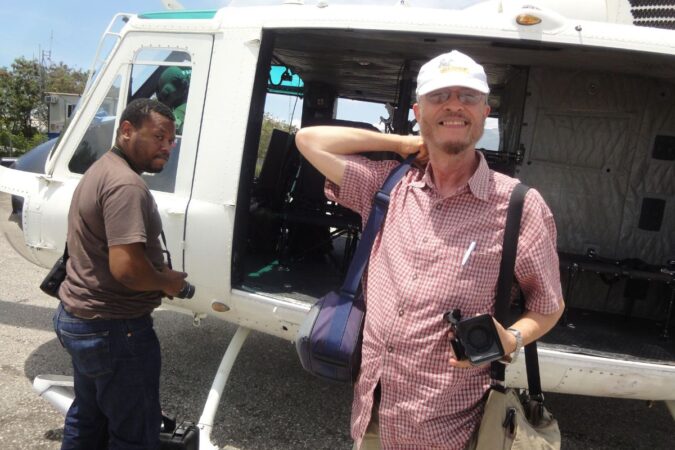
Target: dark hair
[[138, 110]]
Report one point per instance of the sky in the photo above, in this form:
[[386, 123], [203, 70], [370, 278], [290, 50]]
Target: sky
[[69, 31]]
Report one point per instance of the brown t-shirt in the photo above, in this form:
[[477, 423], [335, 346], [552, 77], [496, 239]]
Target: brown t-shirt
[[111, 205]]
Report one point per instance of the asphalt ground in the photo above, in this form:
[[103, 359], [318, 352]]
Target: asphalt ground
[[269, 402]]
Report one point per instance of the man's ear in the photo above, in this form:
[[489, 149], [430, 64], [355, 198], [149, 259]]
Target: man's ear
[[126, 129], [416, 110]]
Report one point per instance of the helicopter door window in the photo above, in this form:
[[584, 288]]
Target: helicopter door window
[[161, 74], [99, 135], [173, 86], [164, 75]]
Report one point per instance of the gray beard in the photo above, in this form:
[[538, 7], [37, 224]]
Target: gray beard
[[457, 148], [453, 149]]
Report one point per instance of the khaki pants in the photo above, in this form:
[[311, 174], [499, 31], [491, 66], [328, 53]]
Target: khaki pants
[[371, 440]]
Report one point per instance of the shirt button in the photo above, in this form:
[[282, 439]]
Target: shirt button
[[400, 312], [390, 349], [425, 240], [439, 206], [414, 277]]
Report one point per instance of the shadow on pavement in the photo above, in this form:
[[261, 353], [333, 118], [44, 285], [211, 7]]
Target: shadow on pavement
[[269, 402]]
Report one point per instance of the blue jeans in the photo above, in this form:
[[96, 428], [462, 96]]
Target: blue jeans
[[116, 365]]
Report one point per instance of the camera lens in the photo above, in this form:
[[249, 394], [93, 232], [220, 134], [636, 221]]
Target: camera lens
[[188, 291], [480, 338]]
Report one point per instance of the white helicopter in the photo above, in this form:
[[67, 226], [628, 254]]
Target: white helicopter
[[583, 98]]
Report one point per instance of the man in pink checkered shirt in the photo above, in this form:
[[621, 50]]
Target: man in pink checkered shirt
[[438, 250]]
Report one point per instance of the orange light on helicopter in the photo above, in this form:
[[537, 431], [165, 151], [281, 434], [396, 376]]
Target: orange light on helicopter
[[219, 307], [527, 19]]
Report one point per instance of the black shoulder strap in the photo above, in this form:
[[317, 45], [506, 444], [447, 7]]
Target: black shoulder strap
[[509, 249], [505, 282]]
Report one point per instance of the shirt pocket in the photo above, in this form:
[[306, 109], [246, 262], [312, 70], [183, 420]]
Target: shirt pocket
[[477, 275]]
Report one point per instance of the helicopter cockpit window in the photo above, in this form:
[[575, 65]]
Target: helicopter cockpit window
[[99, 135]]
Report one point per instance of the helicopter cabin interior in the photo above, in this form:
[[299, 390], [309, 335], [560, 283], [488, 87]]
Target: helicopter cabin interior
[[592, 129]]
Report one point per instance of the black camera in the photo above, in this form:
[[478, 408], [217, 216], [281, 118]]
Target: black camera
[[52, 282], [188, 291], [476, 338]]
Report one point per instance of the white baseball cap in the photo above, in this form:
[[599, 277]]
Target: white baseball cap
[[451, 69]]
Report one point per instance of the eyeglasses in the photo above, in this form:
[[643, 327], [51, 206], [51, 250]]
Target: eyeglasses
[[466, 97]]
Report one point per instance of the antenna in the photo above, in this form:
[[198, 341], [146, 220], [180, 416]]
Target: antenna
[[173, 5], [45, 60], [46, 55]]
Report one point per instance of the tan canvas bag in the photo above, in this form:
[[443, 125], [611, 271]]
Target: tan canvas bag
[[505, 425]]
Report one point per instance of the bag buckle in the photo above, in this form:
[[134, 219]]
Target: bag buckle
[[538, 398], [381, 199], [534, 408], [347, 294]]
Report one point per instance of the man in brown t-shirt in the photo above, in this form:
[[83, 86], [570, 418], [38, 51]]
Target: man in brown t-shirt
[[115, 277]]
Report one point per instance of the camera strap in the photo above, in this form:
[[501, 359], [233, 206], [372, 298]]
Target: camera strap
[[504, 284], [166, 250], [118, 151]]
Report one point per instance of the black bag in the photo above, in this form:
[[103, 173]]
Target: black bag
[[182, 437], [52, 282]]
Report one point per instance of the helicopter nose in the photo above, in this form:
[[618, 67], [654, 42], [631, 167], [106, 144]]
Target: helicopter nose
[[11, 208]]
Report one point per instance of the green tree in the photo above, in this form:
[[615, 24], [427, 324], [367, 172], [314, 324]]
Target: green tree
[[22, 107], [268, 125], [5, 80], [20, 95], [61, 78]]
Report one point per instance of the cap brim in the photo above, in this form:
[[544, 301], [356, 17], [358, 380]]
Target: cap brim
[[453, 81]]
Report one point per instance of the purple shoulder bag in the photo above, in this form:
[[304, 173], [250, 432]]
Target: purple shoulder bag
[[329, 338]]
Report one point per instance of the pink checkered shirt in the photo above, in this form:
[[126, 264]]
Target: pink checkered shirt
[[415, 276]]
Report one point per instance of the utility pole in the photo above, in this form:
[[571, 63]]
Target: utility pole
[[45, 59]]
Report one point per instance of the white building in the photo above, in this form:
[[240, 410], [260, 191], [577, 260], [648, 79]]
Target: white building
[[60, 108]]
